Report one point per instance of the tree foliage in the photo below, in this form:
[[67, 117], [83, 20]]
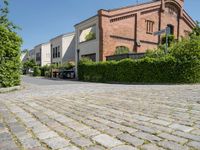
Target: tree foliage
[[4, 21], [90, 36], [10, 43], [196, 30], [10, 63], [29, 64]]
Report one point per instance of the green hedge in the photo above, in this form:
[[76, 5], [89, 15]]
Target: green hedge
[[148, 70], [36, 71], [10, 63]]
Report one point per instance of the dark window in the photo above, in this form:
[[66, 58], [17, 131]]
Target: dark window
[[54, 53], [58, 51], [38, 57], [90, 56], [149, 28], [171, 27]]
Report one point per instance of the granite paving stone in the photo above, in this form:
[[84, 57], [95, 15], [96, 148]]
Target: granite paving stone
[[130, 139], [56, 142], [194, 144], [181, 127], [73, 115], [172, 145], [124, 147], [82, 142], [107, 140]]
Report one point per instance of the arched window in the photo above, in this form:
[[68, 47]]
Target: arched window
[[171, 27], [121, 50]]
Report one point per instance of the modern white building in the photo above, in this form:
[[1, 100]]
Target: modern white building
[[43, 54], [57, 51], [87, 39], [63, 48]]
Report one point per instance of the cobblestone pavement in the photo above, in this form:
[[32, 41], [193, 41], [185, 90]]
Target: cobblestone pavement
[[93, 116]]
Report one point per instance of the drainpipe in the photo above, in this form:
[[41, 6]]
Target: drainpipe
[[78, 59]]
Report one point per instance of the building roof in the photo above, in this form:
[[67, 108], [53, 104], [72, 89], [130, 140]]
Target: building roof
[[42, 44], [85, 20], [63, 35], [134, 5]]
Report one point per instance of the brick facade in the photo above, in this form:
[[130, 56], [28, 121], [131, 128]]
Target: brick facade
[[128, 26]]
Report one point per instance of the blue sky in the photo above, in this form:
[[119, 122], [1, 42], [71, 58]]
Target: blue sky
[[42, 20]]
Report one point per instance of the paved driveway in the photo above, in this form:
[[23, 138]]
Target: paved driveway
[[72, 115]]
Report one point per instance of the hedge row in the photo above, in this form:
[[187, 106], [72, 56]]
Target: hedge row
[[148, 70]]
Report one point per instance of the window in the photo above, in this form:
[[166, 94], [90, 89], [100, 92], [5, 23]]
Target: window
[[56, 52], [149, 28], [38, 56], [121, 50], [171, 27], [87, 34], [90, 56]]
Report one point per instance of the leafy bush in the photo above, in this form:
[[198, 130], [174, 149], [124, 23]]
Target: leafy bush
[[44, 69], [186, 50], [121, 50], [29, 64], [147, 70], [66, 66], [36, 71], [10, 63], [90, 36], [196, 30], [47, 74], [170, 39]]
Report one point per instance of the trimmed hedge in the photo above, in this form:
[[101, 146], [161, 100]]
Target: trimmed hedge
[[10, 63], [148, 70]]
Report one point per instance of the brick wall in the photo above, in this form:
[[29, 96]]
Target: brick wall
[[125, 26]]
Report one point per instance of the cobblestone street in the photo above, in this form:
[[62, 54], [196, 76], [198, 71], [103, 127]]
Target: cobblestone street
[[90, 116]]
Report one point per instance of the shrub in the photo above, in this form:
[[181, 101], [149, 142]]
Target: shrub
[[170, 39], [186, 50], [67, 66], [36, 71], [47, 73], [44, 69], [147, 70], [29, 64], [10, 63]]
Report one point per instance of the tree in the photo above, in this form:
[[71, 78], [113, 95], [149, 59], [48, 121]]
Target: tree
[[90, 36], [196, 30], [4, 21], [10, 43], [10, 63], [30, 64]]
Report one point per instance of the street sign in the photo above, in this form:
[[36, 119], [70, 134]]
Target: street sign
[[167, 32], [159, 32]]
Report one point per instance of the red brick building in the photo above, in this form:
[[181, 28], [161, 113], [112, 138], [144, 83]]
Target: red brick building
[[131, 27]]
